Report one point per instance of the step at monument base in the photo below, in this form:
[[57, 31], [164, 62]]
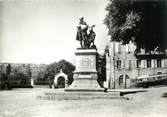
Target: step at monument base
[[80, 95], [85, 89]]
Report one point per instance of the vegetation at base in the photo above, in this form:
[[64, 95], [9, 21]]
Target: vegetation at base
[[143, 22], [14, 79], [101, 69], [19, 75], [54, 68]]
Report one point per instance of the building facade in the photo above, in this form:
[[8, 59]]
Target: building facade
[[124, 67]]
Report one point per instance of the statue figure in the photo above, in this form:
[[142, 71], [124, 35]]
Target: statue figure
[[91, 37], [86, 38]]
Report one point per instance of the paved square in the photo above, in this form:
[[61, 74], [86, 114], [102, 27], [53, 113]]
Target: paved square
[[24, 103]]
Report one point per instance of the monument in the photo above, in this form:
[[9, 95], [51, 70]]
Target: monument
[[85, 75], [85, 85]]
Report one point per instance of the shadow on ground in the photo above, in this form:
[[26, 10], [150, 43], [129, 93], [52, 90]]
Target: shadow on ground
[[131, 92]]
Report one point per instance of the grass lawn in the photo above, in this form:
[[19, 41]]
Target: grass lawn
[[24, 103]]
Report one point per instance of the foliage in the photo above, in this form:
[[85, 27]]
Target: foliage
[[55, 67], [101, 69], [15, 76], [29, 72], [142, 22], [19, 75], [20, 80], [5, 78], [8, 69]]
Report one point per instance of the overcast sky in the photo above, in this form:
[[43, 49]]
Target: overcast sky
[[44, 31]]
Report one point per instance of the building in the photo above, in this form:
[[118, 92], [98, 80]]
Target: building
[[61, 80], [124, 67]]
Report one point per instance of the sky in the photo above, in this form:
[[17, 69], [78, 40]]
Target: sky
[[44, 31]]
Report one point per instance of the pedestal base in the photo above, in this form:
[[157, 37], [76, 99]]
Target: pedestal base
[[85, 75], [85, 82]]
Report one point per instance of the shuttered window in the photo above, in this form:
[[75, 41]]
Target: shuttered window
[[118, 64], [159, 63], [138, 63], [149, 63]]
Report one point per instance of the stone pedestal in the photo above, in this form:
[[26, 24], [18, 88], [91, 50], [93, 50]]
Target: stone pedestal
[[85, 75]]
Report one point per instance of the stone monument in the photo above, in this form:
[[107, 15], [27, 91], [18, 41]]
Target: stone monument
[[85, 85], [85, 75]]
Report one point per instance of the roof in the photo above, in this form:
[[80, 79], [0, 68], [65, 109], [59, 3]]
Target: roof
[[61, 73]]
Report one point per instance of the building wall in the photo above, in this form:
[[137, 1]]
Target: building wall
[[122, 68]]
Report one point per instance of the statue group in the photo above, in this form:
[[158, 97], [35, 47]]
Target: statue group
[[85, 35], [85, 74]]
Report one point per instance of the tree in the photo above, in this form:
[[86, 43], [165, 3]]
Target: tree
[[101, 69], [8, 71], [55, 67], [29, 71], [142, 22], [68, 69]]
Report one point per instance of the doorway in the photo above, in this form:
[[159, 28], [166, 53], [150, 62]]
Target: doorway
[[61, 82]]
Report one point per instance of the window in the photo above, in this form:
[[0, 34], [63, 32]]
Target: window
[[143, 64], [118, 64], [159, 73], [138, 63], [129, 64], [121, 80], [119, 48], [148, 63], [126, 81], [159, 63]]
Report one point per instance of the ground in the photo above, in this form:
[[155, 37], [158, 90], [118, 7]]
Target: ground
[[24, 103]]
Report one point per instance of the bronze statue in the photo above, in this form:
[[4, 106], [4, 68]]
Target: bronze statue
[[86, 38]]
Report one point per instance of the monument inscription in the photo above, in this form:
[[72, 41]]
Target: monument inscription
[[86, 62]]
